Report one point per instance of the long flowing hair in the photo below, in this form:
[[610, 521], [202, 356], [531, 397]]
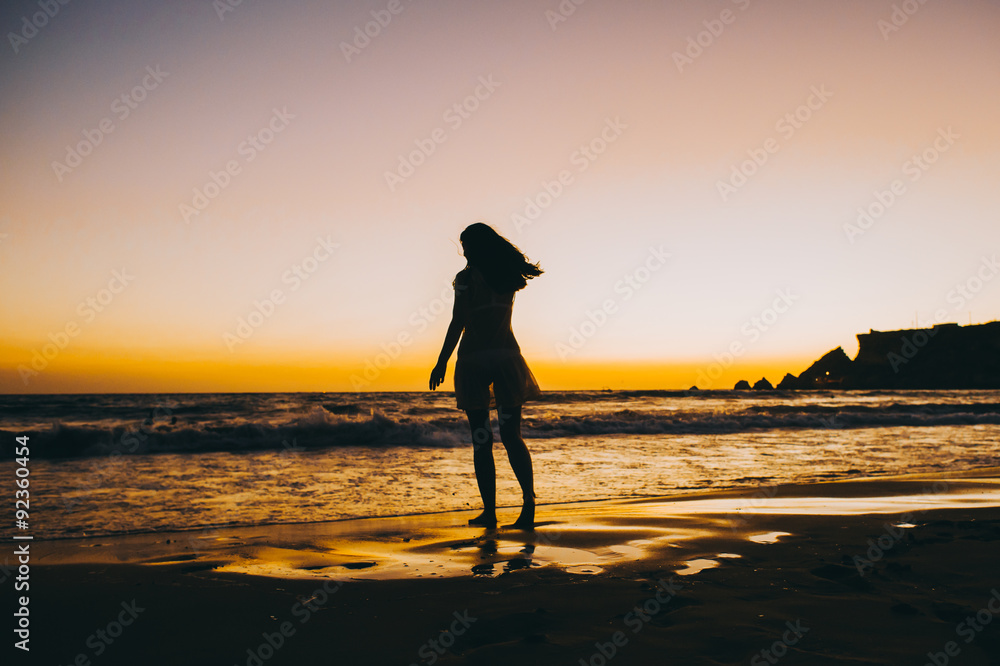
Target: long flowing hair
[[504, 267]]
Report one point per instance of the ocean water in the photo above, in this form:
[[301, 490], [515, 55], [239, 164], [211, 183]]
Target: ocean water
[[109, 464]]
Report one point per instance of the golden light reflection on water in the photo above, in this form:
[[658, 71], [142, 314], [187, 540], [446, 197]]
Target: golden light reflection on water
[[768, 537], [837, 506], [582, 538], [692, 567]]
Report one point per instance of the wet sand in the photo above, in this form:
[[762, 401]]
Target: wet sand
[[879, 571]]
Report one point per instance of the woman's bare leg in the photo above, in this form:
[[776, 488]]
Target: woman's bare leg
[[486, 473], [520, 461]]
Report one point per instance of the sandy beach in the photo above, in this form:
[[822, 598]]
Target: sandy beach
[[877, 571]]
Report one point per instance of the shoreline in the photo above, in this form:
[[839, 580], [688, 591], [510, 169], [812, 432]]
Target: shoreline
[[681, 494]]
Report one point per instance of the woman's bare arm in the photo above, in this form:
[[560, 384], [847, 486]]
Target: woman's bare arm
[[451, 338]]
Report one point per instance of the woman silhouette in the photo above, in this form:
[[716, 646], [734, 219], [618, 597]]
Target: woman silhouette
[[489, 356]]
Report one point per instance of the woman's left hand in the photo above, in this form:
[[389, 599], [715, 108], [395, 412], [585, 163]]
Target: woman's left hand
[[437, 375]]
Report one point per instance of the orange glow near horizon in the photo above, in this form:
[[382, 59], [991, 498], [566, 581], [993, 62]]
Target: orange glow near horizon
[[114, 372]]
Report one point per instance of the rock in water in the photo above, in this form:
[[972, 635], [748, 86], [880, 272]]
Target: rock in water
[[790, 382], [830, 370]]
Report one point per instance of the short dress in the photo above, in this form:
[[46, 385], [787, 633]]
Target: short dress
[[490, 369]]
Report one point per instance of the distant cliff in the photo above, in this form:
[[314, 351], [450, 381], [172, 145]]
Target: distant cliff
[[947, 356]]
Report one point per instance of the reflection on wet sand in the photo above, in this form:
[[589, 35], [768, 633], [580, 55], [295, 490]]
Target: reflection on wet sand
[[691, 534]]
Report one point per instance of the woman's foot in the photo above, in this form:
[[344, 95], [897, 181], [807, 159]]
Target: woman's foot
[[526, 521], [485, 519]]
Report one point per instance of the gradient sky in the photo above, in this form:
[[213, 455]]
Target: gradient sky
[[556, 86]]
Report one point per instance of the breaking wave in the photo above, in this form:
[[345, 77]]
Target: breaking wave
[[341, 425]]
